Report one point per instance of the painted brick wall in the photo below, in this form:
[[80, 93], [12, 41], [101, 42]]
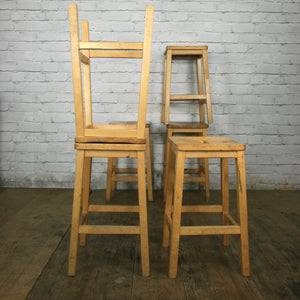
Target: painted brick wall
[[254, 63]]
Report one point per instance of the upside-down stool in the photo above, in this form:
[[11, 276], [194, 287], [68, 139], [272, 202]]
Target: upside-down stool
[[199, 54]]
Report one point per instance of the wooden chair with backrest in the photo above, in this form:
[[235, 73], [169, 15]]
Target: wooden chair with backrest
[[106, 140], [199, 55]]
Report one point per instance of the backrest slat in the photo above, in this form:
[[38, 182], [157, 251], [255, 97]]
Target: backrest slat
[[110, 46]]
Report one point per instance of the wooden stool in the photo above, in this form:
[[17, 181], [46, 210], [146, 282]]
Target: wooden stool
[[107, 140], [198, 53], [205, 147], [112, 169]]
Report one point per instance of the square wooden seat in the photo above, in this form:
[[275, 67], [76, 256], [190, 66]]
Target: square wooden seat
[[199, 54], [107, 140], [182, 148]]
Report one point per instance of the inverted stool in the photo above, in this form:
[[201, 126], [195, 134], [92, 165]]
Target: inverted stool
[[198, 54], [205, 147], [113, 170]]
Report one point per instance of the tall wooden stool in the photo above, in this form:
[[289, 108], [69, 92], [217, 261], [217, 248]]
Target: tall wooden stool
[[107, 140], [112, 169], [207, 147], [198, 53]]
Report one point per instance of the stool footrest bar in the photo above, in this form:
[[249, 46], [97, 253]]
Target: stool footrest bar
[[201, 208], [114, 208], [209, 230], [112, 229]]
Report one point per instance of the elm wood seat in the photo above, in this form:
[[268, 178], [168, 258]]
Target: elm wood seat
[[113, 170], [224, 148], [106, 140], [198, 53]]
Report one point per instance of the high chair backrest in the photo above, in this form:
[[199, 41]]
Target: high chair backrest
[[82, 51]]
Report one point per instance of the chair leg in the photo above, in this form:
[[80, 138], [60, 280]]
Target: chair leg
[[166, 160], [109, 178], [77, 197], [176, 220], [169, 198], [114, 165], [225, 196], [149, 165], [143, 213], [86, 195], [206, 171], [242, 213]]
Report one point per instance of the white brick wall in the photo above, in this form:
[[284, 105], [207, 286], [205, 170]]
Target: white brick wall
[[254, 62]]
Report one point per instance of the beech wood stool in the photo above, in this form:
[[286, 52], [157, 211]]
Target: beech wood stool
[[205, 147], [113, 170], [198, 54]]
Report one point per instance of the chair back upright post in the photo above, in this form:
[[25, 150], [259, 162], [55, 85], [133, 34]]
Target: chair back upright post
[[82, 51], [76, 69], [145, 72]]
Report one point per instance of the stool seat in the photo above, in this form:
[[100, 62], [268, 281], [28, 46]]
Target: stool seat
[[187, 125], [195, 143]]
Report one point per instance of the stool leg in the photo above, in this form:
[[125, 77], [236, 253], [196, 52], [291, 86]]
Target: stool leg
[[86, 195], [176, 220], [169, 133], [242, 212], [206, 171], [164, 92], [109, 178], [169, 198], [113, 173], [225, 196], [149, 165], [143, 213], [77, 197]]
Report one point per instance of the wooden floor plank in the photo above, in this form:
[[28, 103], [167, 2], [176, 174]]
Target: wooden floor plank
[[35, 232], [31, 236]]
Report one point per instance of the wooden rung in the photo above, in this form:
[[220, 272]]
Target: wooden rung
[[231, 220], [187, 97], [192, 171], [124, 178], [127, 170], [210, 230], [114, 208], [194, 179], [108, 229], [84, 58], [201, 208], [116, 54], [110, 46]]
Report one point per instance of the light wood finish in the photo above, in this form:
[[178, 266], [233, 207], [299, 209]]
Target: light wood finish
[[216, 147], [107, 140], [113, 170], [203, 169], [199, 54]]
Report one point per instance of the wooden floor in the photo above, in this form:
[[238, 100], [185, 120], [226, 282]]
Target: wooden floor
[[34, 235]]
